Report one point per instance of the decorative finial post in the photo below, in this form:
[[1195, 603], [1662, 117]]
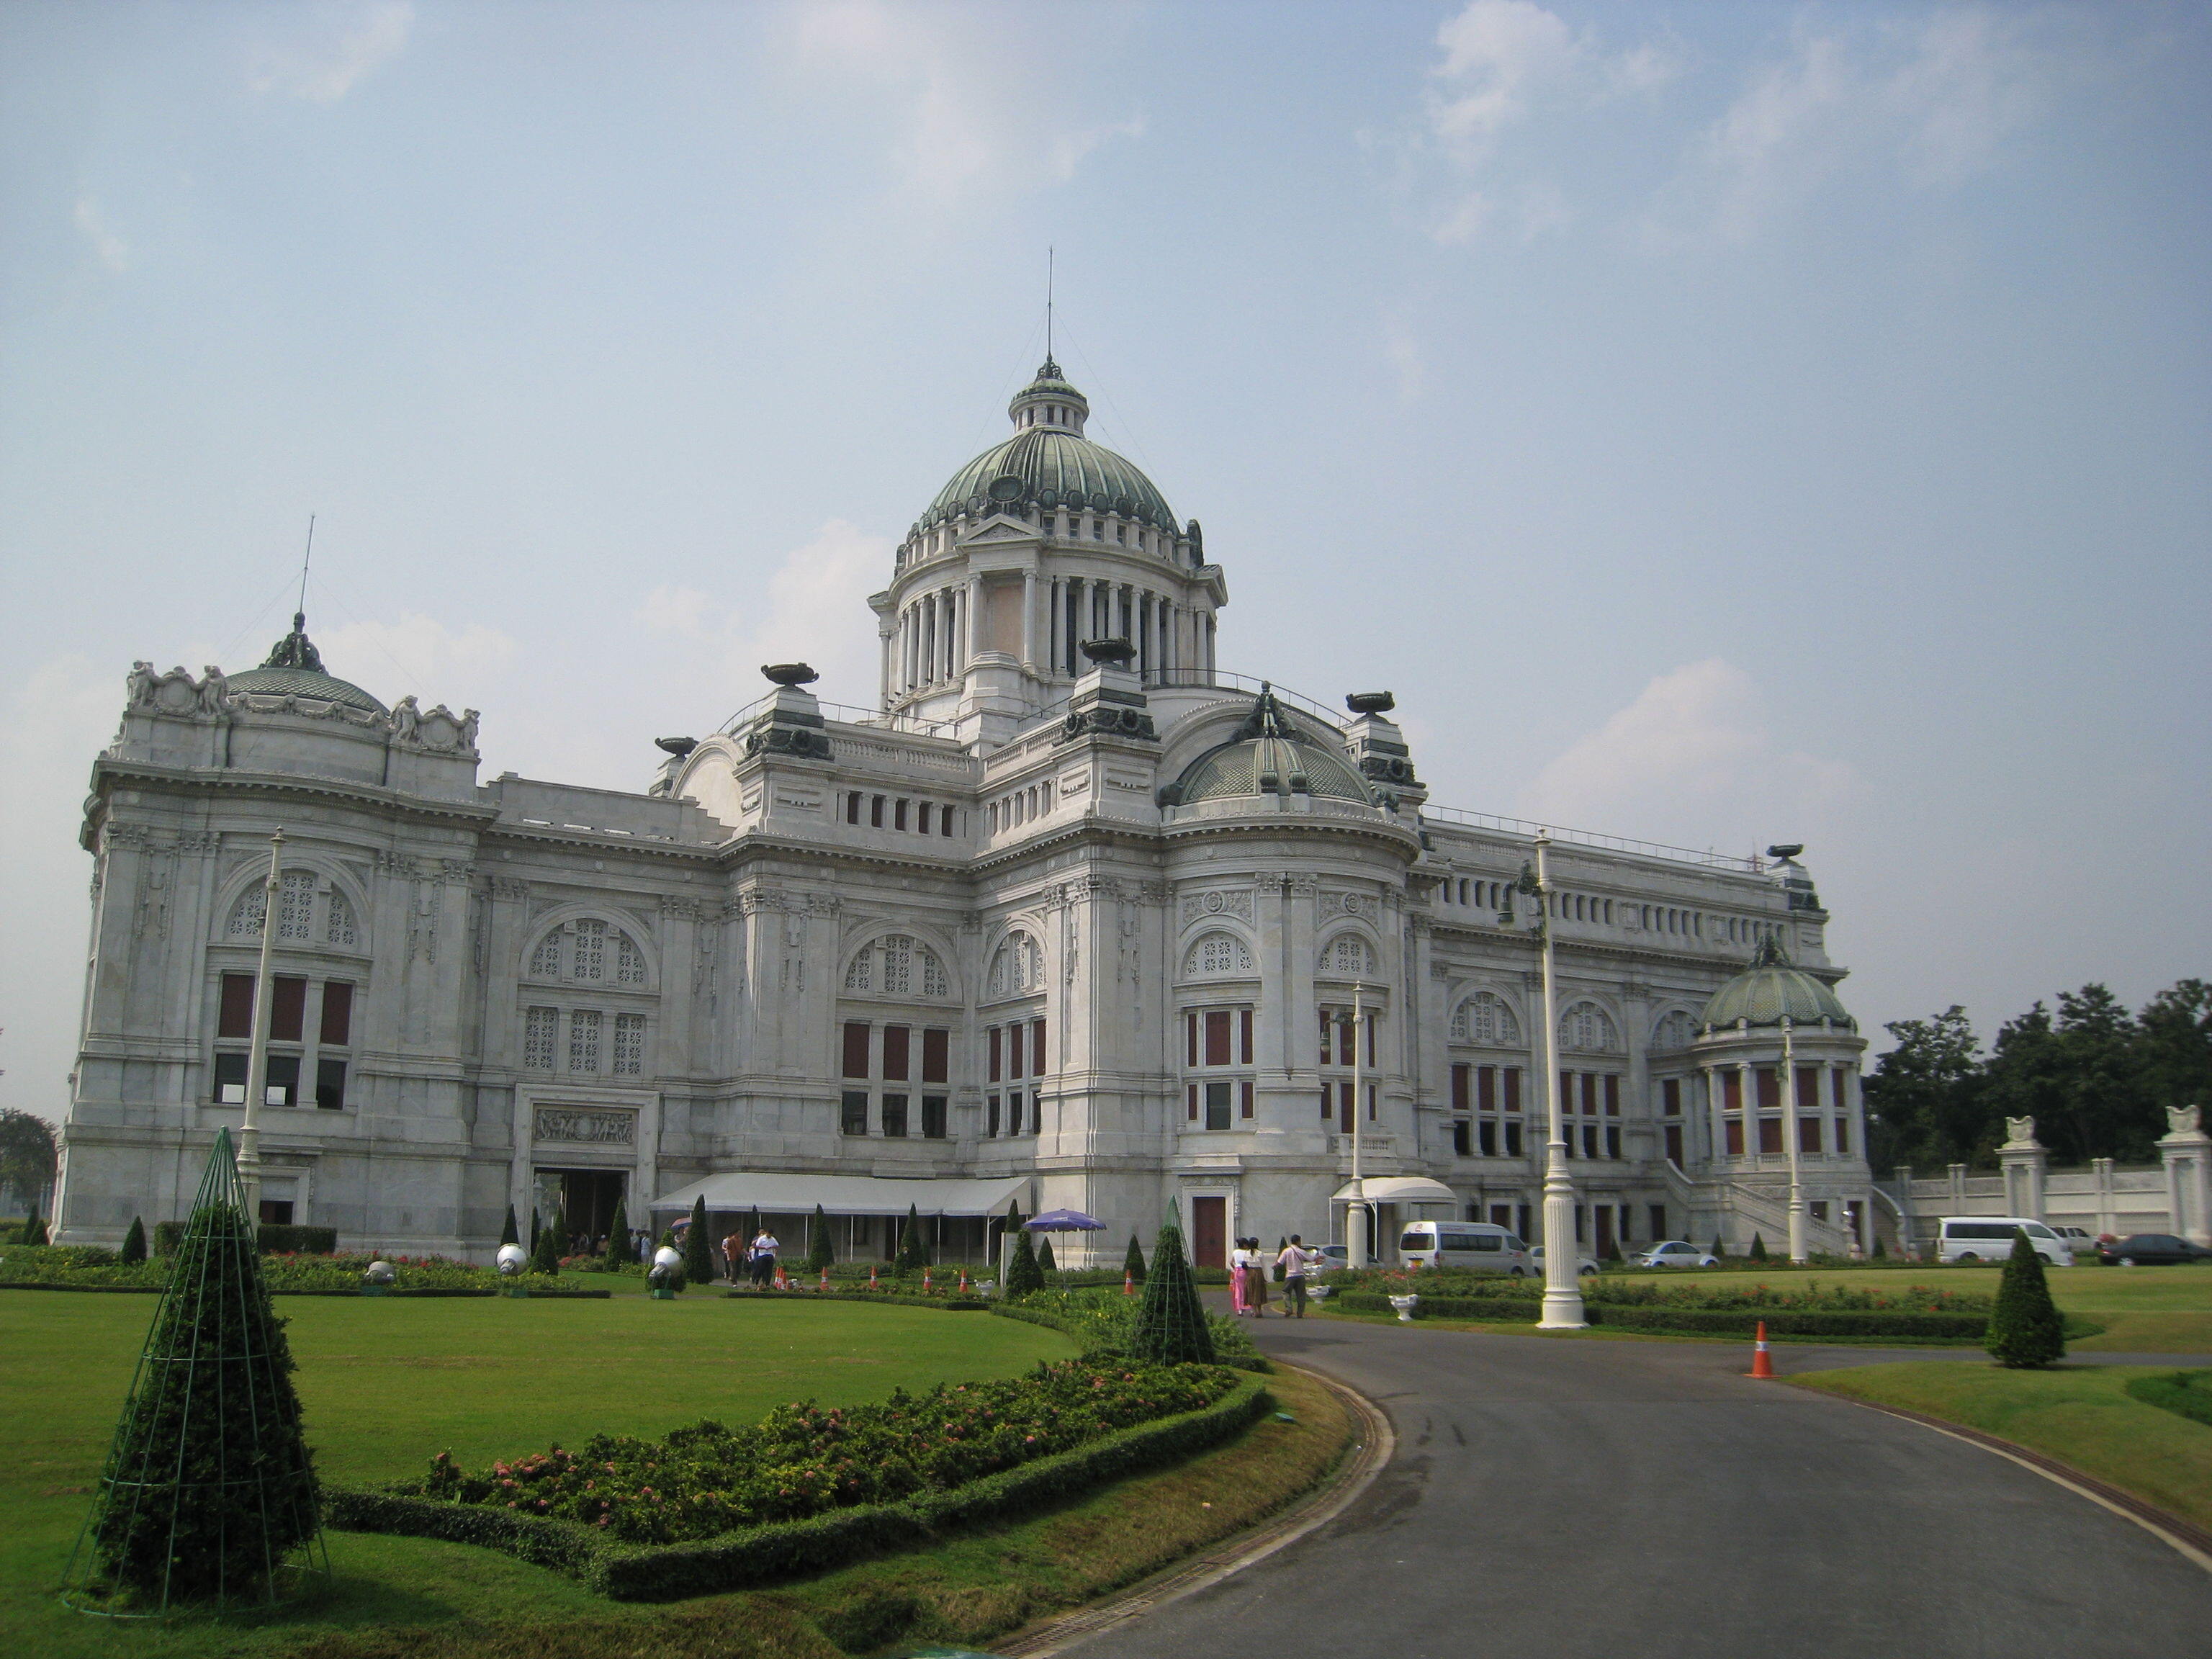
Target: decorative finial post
[[1797, 1251], [1562, 1285]]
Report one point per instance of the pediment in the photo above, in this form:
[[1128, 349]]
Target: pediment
[[1000, 528]]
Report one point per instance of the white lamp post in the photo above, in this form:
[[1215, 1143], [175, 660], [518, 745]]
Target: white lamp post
[[1796, 1186], [1563, 1291], [257, 1064], [1356, 1250]]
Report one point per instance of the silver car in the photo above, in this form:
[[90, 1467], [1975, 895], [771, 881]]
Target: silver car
[[1585, 1265], [1677, 1253]]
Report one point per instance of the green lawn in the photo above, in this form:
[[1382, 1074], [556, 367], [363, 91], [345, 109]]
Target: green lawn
[[387, 1383], [2144, 1309], [2084, 1417]]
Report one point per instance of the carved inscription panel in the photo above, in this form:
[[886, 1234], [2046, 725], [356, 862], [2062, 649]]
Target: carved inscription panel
[[593, 1125]]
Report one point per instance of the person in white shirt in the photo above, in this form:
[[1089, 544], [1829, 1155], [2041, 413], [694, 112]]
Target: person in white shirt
[[763, 1259], [1296, 1261]]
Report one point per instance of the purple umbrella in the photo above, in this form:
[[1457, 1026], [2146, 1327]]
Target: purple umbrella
[[1063, 1221]]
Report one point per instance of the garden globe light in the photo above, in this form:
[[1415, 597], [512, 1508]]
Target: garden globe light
[[667, 1259], [512, 1258], [379, 1272]]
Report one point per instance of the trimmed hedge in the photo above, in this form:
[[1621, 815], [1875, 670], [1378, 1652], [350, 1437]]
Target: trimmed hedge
[[889, 1299], [760, 1554], [272, 1239], [1779, 1322]]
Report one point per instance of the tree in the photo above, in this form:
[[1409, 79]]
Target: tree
[[28, 1159], [534, 1230], [820, 1254], [1281, 1245], [1880, 1253], [619, 1247], [2026, 1328], [698, 1250], [1132, 1262], [913, 1254], [508, 1233], [1758, 1251], [1719, 1252], [2081, 1075], [1045, 1257], [1024, 1273], [1171, 1328], [2175, 1044], [34, 1230], [1923, 1098], [134, 1243], [546, 1257], [209, 1485]]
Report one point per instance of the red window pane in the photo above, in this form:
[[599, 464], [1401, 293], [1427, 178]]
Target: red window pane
[[1037, 1048], [1732, 1091], [1809, 1135], [1014, 1047], [1217, 1037], [1670, 1097], [856, 1048], [1244, 1097], [1344, 1043], [894, 1052], [236, 1019], [1735, 1137], [1612, 1096], [1325, 1104], [1486, 1088], [1462, 1095], [288, 1009], [1770, 1088], [1244, 1037], [1843, 1137], [1190, 1038], [1808, 1086], [337, 1013], [1324, 1038], [936, 1056], [1512, 1088], [1190, 1100], [994, 1035], [1770, 1134], [1589, 1094]]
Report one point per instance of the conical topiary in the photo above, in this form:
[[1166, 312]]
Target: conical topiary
[[34, 1230], [820, 1253], [1045, 1260], [2026, 1328], [1758, 1251], [1281, 1245], [619, 1247], [508, 1234], [1171, 1328], [698, 1250], [134, 1243], [913, 1254], [546, 1257], [209, 1487], [1879, 1253], [1719, 1251], [1132, 1262], [534, 1230], [1024, 1273]]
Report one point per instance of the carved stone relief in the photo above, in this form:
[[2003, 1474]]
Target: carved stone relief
[[592, 1126], [1220, 903]]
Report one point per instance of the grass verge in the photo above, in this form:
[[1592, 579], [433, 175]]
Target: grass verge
[[2083, 1416], [969, 1590]]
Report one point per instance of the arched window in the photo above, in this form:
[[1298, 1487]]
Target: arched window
[[1588, 1028], [1346, 956], [1018, 968], [1216, 954], [1485, 1017], [298, 892], [590, 951], [897, 965], [1673, 1030]]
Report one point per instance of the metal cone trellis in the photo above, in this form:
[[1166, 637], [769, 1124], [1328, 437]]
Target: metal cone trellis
[[209, 1495], [1171, 1327]]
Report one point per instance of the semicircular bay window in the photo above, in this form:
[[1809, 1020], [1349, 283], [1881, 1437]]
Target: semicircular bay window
[[590, 951]]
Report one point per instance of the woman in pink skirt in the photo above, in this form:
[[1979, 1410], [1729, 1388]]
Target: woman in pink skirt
[[1240, 1262], [1255, 1274]]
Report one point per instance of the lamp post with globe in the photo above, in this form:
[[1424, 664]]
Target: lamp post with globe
[[1562, 1295]]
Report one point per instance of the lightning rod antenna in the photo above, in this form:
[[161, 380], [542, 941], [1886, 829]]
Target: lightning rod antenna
[[1048, 252], [306, 559]]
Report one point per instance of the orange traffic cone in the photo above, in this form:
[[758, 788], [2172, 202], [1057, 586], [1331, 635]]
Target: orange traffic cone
[[1761, 1365], [781, 1283], [1129, 1283], [963, 1281], [825, 1279], [925, 1281], [872, 1275]]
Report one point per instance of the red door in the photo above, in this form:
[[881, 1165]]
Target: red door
[[1209, 1232]]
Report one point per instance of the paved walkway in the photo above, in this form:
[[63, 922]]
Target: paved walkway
[[1641, 1500]]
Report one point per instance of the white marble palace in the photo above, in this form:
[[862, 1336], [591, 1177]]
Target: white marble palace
[[1068, 919]]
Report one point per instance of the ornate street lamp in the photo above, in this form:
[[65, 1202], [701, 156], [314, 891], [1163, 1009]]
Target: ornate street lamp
[[1357, 1247], [257, 1064], [1797, 1252], [1563, 1293]]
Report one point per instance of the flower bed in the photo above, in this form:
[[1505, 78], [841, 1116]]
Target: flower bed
[[84, 1267], [1810, 1296], [1898, 1324], [712, 1509], [1103, 1320]]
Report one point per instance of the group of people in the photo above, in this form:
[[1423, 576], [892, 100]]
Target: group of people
[[1248, 1268], [755, 1261]]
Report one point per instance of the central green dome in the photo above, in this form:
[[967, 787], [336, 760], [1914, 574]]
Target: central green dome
[[294, 668], [1770, 991], [1048, 463], [1268, 756]]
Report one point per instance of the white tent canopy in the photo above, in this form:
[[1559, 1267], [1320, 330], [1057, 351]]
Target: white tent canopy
[[1395, 1189], [795, 1194]]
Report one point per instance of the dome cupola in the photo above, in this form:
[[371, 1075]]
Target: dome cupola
[[1268, 756], [1770, 991], [294, 668]]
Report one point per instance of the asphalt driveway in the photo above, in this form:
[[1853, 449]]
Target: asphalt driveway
[[1641, 1500]]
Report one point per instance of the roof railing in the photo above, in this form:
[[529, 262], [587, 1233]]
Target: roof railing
[[848, 713], [1523, 827]]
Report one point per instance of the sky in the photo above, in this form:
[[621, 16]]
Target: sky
[[1719, 424]]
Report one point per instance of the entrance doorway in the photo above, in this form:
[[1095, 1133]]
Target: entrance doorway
[[1604, 1213], [1209, 1232], [584, 1199]]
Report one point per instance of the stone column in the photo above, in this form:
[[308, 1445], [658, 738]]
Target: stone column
[[1746, 1098], [2023, 1160], [2186, 1151], [2100, 1176], [1716, 1127], [974, 609], [1029, 620]]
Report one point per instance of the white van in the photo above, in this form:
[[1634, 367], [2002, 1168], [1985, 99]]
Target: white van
[[1476, 1245], [1988, 1238]]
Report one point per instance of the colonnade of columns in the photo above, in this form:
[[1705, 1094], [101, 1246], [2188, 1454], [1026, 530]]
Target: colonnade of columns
[[934, 639], [1747, 1107]]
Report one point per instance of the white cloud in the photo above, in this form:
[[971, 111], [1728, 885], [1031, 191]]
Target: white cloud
[[367, 37], [1693, 750], [816, 612], [979, 110], [112, 250], [1498, 55], [1933, 106], [465, 667]]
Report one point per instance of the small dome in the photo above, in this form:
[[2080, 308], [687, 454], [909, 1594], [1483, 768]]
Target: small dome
[[1770, 991], [1048, 463], [294, 668], [1268, 756]]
